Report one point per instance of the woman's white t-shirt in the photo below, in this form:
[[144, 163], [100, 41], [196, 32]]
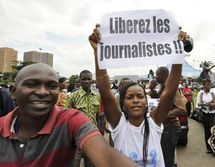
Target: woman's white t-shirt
[[128, 139]]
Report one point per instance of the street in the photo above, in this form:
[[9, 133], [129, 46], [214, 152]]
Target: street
[[194, 154]]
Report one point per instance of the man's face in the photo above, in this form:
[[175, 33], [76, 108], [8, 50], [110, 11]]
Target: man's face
[[77, 84], [63, 85], [36, 92], [86, 80], [159, 77]]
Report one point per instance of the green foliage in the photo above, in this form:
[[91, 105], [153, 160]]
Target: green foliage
[[207, 65], [199, 80], [73, 78], [9, 77]]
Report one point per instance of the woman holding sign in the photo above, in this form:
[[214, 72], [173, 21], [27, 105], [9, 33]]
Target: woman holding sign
[[135, 132]]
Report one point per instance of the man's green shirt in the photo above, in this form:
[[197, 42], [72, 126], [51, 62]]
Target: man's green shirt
[[87, 103]]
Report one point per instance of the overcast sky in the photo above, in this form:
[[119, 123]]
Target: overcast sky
[[62, 27]]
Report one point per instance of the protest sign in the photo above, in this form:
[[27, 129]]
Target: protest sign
[[138, 38]]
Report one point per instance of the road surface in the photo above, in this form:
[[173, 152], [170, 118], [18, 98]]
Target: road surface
[[194, 154]]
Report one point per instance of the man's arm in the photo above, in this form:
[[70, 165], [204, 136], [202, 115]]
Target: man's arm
[[102, 155], [171, 84], [176, 112], [166, 98]]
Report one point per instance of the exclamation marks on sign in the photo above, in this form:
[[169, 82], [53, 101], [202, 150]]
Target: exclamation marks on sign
[[178, 49]]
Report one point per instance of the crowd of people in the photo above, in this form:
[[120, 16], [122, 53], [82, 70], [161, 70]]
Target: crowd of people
[[49, 123]]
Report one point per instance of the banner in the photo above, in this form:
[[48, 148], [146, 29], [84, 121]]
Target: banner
[[139, 38]]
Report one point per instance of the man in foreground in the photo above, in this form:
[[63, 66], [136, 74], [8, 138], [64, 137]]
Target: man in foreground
[[37, 133]]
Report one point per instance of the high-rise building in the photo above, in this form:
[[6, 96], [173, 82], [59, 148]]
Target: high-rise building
[[38, 57], [8, 58]]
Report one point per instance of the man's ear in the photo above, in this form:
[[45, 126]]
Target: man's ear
[[13, 93]]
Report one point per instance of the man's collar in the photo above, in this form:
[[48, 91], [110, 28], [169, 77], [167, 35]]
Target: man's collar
[[9, 126], [92, 91]]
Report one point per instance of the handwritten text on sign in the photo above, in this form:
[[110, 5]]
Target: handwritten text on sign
[[138, 38]]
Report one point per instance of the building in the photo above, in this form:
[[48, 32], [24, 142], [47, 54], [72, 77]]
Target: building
[[38, 57], [8, 58]]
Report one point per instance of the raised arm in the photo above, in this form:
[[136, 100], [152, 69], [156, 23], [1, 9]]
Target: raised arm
[[166, 98], [110, 107], [171, 85]]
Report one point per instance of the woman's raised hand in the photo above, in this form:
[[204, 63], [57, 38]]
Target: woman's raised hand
[[95, 37]]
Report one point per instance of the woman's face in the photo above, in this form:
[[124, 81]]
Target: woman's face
[[135, 102], [207, 86]]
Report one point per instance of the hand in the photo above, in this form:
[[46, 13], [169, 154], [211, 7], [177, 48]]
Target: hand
[[182, 35], [211, 106], [95, 37]]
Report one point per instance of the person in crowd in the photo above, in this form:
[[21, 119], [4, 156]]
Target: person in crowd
[[77, 85], [115, 87], [151, 73], [86, 100], [123, 82], [152, 89], [181, 84], [6, 101], [171, 123], [115, 84], [38, 133], [211, 140], [70, 88], [135, 133], [188, 93], [61, 100], [206, 100]]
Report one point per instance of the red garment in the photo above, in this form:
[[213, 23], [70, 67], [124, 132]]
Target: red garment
[[54, 145], [187, 93]]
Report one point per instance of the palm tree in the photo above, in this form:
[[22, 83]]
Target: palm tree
[[206, 69]]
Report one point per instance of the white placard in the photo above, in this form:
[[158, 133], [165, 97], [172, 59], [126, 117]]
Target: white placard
[[138, 38]]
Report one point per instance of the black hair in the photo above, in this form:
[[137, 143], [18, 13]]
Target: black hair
[[84, 72], [146, 132], [70, 87], [163, 70], [206, 80], [61, 79]]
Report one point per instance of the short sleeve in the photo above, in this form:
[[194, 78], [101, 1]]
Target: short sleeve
[[116, 131], [81, 129]]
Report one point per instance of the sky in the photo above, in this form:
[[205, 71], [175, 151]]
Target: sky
[[62, 27]]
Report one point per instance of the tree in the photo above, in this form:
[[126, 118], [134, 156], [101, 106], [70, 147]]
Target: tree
[[21, 65], [73, 78], [9, 77], [206, 69]]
